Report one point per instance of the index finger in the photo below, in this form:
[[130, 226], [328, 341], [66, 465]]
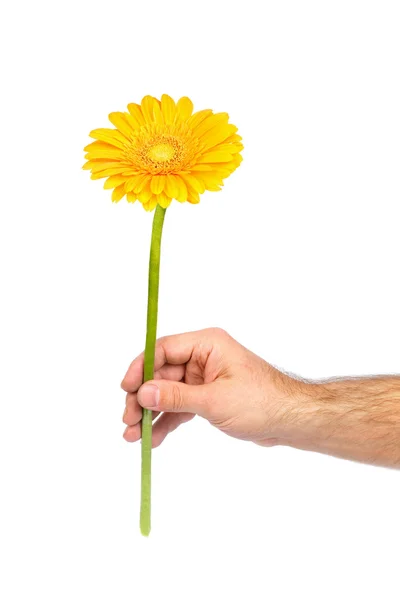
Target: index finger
[[172, 349]]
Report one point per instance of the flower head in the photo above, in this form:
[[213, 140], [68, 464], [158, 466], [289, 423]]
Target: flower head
[[161, 150]]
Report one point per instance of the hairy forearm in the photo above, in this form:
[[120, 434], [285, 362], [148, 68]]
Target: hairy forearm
[[355, 418]]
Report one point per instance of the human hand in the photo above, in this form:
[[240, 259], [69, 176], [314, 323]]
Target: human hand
[[209, 374]]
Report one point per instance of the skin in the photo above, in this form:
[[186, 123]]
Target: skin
[[208, 373]]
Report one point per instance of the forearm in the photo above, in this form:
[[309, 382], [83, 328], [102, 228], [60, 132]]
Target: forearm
[[356, 418]]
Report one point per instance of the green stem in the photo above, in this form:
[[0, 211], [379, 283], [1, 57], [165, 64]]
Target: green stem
[[151, 335]]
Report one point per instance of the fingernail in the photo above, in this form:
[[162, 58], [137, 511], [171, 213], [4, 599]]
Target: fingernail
[[149, 395]]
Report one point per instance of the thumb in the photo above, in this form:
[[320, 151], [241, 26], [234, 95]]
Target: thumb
[[174, 396]]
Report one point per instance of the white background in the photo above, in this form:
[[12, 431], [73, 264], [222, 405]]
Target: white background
[[297, 258]]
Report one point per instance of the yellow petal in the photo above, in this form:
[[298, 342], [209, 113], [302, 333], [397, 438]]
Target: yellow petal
[[114, 181], [221, 172], [215, 157], [212, 181], [99, 165], [148, 108], [232, 148], [168, 108], [193, 183], [111, 136], [157, 184], [236, 160], [234, 138], [131, 197], [216, 135], [210, 122], [182, 194], [184, 108], [129, 172], [143, 184], [118, 193], [136, 113], [213, 187], [201, 168], [193, 198], [132, 122], [105, 154], [145, 194], [102, 150], [198, 117], [108, 172], [98, 145], [163, 200], [118, 119], [134, 182], [158, 117], [151, 204], [171, 187]]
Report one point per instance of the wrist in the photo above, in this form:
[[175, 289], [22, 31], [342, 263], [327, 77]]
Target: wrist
[[298, 411], [307, 419]]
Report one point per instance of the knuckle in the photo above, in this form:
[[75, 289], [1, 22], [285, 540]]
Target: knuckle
[[176, 400], [217, 331]]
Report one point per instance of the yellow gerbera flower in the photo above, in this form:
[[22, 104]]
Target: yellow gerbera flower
[[159, 151]]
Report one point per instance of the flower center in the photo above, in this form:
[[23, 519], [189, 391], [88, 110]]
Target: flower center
[[161, 152], [162, 149]]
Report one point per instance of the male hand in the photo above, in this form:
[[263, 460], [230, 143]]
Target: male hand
[[209, 374]]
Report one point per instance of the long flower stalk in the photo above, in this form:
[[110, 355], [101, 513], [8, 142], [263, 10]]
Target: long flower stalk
[[151, 335], [159, 151]]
